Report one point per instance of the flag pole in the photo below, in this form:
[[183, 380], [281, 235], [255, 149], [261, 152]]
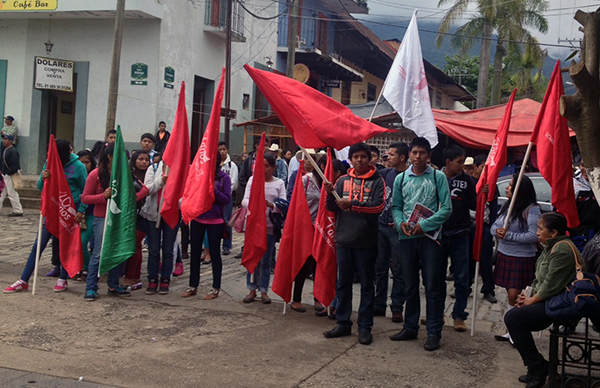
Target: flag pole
[[38, 252], [284, 306], [518, 184], [104, 232], [318, 170], [162, 198], [378, 98], [474, 299]]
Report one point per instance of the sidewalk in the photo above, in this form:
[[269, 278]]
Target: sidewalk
[[160, 341]]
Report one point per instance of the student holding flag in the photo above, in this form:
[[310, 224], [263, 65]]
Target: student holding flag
[[212, 223], [76, 175], [274, 189], [98, 190]]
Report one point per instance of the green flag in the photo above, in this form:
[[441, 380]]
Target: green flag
[[119, 242]]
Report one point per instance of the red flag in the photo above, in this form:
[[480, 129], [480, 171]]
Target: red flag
[[255, 241], [551, 136], [199, 194], [177, 158], [494, 164], [296, 241], [313, 119], [324, 246], [60, 212]]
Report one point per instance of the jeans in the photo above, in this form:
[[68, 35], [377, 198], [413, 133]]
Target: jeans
[[387, 248], [262, 273], [363, 260], [485, 264], [92, 278], [228, 211], [185, 235], [215, 233], [423, 254], [521, 321], [162, 237], [457, 247], [30, 266]]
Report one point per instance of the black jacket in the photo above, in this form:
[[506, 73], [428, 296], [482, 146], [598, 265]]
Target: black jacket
[[464, 198], [10, 161], [161, 144], [358, 227]]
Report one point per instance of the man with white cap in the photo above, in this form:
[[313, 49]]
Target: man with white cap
[[9, 167], [469, 167], [282, 167]]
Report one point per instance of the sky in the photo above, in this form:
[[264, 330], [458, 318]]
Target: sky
[[560, 15]]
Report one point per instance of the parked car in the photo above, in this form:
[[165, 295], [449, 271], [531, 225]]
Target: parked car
[[543, 190]]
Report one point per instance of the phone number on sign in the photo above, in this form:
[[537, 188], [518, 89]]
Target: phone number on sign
[[55, 87]]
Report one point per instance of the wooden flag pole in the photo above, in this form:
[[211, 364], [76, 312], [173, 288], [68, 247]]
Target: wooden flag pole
[[38, 252], [518, 185], [162, 198], [104, 232], [474, 312], [318, 170], [378, 98]]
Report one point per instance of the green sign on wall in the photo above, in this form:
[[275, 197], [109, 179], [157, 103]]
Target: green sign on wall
[[169, 77], [139, 74]]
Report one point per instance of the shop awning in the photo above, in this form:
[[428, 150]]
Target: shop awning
[[477, 128]]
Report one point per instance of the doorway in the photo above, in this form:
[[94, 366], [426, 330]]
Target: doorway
[[202, 105], [61, 113]]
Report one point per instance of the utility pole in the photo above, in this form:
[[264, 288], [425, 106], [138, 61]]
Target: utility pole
[[228, 71], [113, 91], [292, 38]]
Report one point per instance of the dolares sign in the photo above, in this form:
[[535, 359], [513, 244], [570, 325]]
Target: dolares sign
[[53, 74], [28, 5]]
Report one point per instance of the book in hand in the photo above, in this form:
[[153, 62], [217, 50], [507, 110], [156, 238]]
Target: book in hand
[[419, 214]]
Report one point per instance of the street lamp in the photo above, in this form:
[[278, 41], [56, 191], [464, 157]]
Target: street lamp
[[269, 62], [49, 46]]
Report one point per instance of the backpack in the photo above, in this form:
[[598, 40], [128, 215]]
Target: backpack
[[579, 299]]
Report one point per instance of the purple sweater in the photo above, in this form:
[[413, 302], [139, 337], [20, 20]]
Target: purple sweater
[[222, 197]]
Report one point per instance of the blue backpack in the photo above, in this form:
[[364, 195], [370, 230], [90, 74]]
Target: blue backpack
[[579, 299]]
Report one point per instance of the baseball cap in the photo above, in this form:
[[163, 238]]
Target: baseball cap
[[9, 137], [469, 161], [9, 118]]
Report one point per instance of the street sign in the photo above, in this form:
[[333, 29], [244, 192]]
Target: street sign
[[139, 74], [53, 74]]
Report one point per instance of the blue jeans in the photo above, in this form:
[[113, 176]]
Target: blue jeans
[[387, 248], [262, 273], [363, 260], [30, 266], [92, 278], [162, 237], [457, 247], [228, 211], [423, 254]]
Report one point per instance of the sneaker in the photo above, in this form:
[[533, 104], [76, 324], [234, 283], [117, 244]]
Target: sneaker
[[152, 286], [55, 272], [61, 285], [120, 292], [15, 215], [90, 295], [226, 252], [17, 286], [178, 269], [164, 286], [134, 286], [490, 297], [460, 325]]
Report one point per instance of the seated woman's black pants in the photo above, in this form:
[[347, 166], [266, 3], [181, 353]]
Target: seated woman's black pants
[[521, 321]]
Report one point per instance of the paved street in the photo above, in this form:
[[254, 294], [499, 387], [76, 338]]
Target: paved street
[[163, 340]]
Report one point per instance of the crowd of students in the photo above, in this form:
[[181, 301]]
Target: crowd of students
[[407, 217]]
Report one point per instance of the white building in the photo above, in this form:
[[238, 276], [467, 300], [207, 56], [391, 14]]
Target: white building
[[160, 37]]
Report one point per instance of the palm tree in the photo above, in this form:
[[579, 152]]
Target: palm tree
[[508, 18]]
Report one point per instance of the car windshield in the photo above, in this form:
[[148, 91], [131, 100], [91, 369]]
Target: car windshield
[[543, 190]]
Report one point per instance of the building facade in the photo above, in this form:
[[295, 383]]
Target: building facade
[[164, 43]]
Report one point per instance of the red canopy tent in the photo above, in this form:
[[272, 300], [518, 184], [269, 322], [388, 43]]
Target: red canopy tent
[[477, 128]]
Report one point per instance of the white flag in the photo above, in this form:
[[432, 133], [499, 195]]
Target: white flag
[[406, 86]]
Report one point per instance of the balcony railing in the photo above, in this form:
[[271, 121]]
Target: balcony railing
[[216, 16]]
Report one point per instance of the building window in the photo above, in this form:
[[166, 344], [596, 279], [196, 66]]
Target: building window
[[216, 15], [438, 99], [371, 92]]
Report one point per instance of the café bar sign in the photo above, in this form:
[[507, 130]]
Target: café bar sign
[[53, 74], [28, 5]]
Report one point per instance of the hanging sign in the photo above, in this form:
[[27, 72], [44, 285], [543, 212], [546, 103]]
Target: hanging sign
[[28, 5], [139, 74], [53, 74], [169, 77], [332, 83]]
